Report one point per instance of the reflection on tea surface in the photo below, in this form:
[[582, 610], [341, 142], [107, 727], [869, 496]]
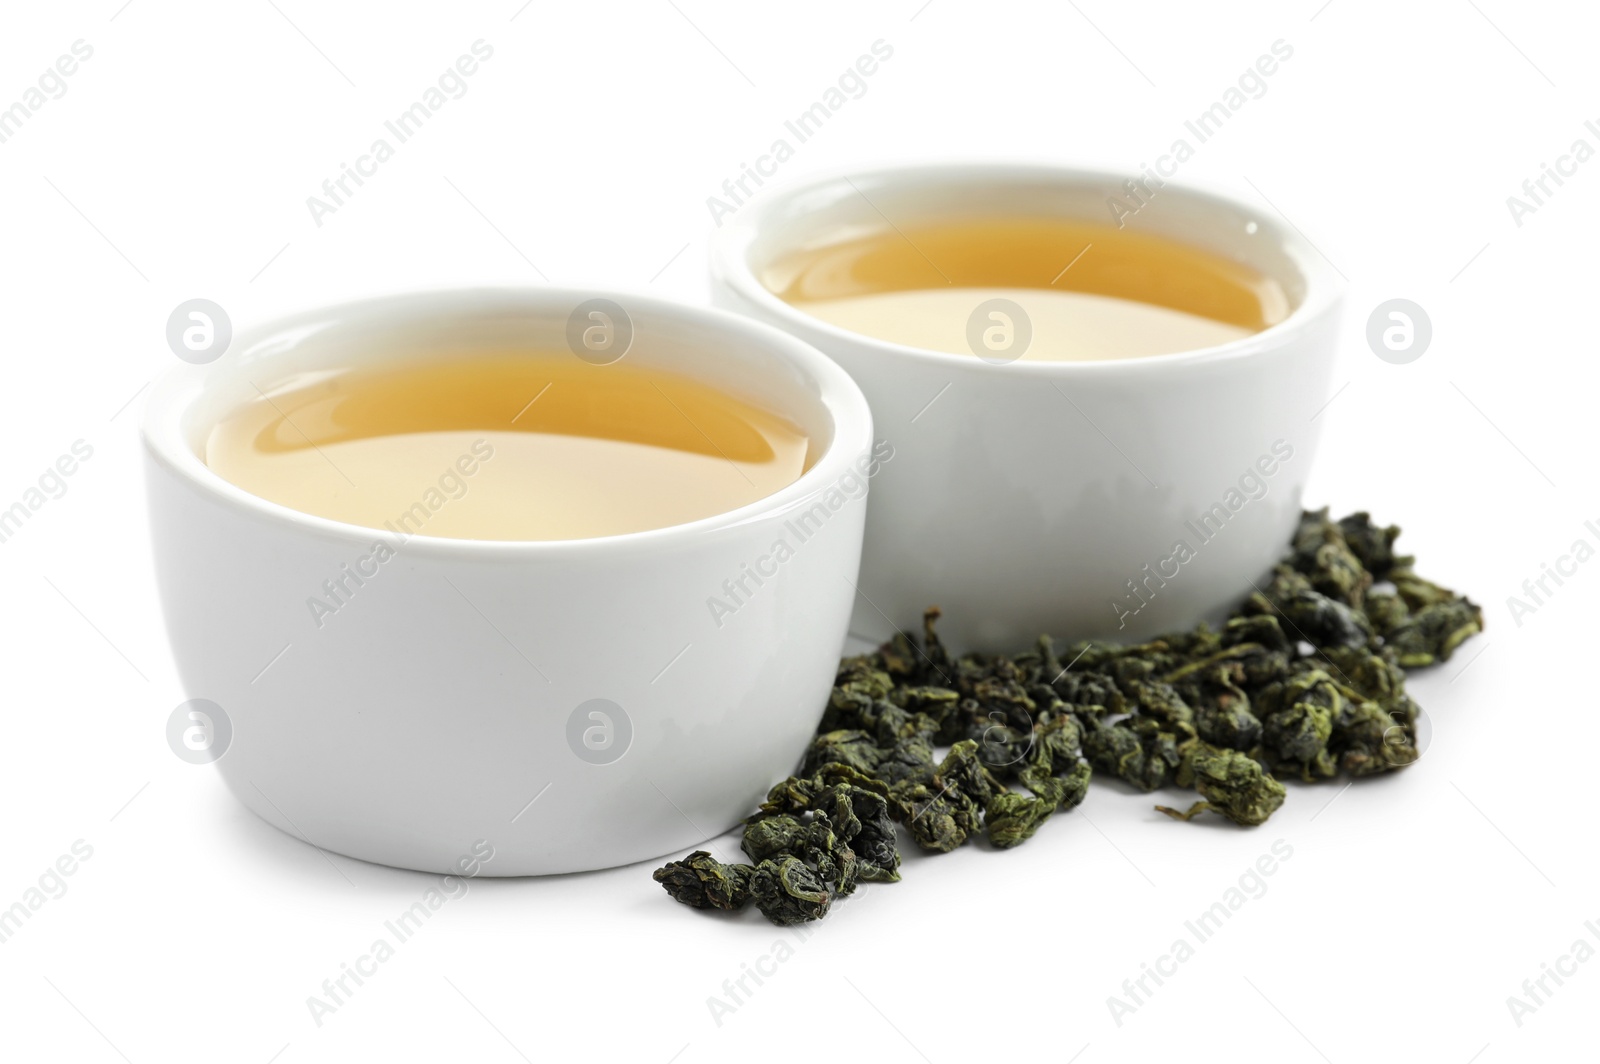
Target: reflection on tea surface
[[512, 446]]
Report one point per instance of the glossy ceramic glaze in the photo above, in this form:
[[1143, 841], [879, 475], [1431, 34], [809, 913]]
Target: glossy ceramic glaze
[[450, 697], [1034, 496]]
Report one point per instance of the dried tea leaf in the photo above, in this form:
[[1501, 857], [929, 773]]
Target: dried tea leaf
[[1011, 819], [787, 892], [1306, 678], [701, 881], [1374, 546], [1432, 633], [1321, 552], [944, 810], [1231, 784], [937, 820], [852, 749], [1137, 751], [1313, 616], [1297, 719], [862, 820]]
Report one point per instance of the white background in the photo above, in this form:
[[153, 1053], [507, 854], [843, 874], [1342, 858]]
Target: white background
[[177, 165]]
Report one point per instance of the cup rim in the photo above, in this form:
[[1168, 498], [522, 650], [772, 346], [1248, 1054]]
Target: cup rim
[[175, 390], [730, 265]]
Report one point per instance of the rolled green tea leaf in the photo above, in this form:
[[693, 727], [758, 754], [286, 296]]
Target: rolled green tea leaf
[[1306, 679]]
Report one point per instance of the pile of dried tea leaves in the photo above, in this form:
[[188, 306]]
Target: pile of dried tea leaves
[[1306, 679]]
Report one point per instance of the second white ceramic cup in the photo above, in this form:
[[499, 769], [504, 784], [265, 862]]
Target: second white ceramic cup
[[1108, 500]]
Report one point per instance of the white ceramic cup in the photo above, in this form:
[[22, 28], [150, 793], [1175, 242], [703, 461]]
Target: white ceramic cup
[[451, 699], [1038, 496]]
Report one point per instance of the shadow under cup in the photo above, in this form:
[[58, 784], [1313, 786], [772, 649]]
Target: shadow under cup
[[566, 704], [1109, 500]]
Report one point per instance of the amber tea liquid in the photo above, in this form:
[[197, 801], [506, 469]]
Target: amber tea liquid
[[513, 446], [1089, 291]]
